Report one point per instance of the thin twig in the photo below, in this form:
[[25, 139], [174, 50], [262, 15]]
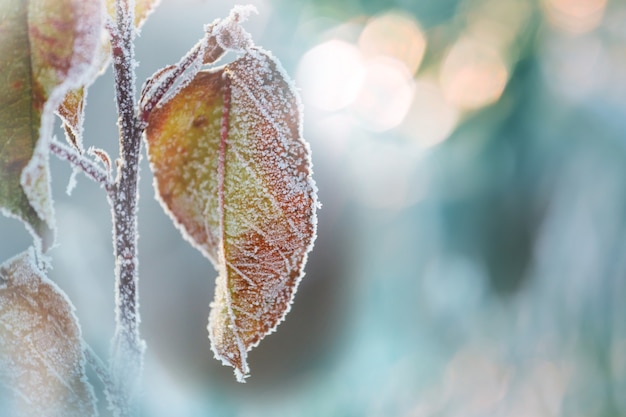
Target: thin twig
[[98, 367], [205, 51], [85, 165], [153, 98]]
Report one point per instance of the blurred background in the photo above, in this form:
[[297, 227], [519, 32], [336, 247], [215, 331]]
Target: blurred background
[[471, 255]]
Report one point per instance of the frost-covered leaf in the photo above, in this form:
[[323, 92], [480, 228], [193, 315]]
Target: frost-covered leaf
[[234, 173], [72, 112], [41, 357], [47, 47]]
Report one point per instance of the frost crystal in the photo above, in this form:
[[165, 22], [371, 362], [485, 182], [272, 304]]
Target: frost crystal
[[229, 33], [71, 183]]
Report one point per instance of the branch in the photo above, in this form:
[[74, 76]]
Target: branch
[[86, 166], [127, 347]]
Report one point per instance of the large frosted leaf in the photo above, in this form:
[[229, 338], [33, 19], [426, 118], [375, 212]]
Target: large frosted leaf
[[41, 357], [47, 47], [234, 173]]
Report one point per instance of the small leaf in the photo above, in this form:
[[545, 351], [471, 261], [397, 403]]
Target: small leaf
[[143, 9], [234, 173], [41, 357], [47, 47], [72, 112]]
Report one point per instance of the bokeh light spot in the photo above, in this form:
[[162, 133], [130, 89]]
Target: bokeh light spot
[[473, 74], [430, 119], [331, 75], [385, 95], [395, 35], [574, 16]]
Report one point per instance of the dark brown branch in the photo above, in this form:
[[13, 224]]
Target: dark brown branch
[[127, 349]]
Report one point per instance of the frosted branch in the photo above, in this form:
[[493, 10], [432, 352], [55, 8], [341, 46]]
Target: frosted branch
[[127, 347], [80, 162]]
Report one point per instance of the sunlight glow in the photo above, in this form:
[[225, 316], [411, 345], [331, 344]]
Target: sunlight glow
[[473, 74], [333, 73], [385, 96], [396, 35]]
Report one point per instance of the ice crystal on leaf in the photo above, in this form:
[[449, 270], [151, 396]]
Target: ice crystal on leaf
[[233, 171], [41, 357], [72, 112], [228, 32]]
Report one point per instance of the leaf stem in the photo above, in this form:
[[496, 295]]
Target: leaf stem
[[127, 347], [151, 97], [88, 167], [158, 88]]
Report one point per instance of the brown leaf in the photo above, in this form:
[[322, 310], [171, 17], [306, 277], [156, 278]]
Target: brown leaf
[[234, 173], [41, 357], [72, 112]]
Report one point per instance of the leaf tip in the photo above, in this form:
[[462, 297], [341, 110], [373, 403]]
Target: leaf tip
[[226, 344]]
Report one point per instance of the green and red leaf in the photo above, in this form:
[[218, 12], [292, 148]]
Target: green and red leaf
[[47, 47], [233, 171], [72, 112], [41, 356]]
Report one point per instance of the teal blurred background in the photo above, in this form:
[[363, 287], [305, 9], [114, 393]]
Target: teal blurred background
[[471, 255]]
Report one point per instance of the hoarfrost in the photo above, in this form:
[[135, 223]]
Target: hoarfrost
[[72, 113], [229, 33], [71, 182], [234, 172], [41, 357]]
